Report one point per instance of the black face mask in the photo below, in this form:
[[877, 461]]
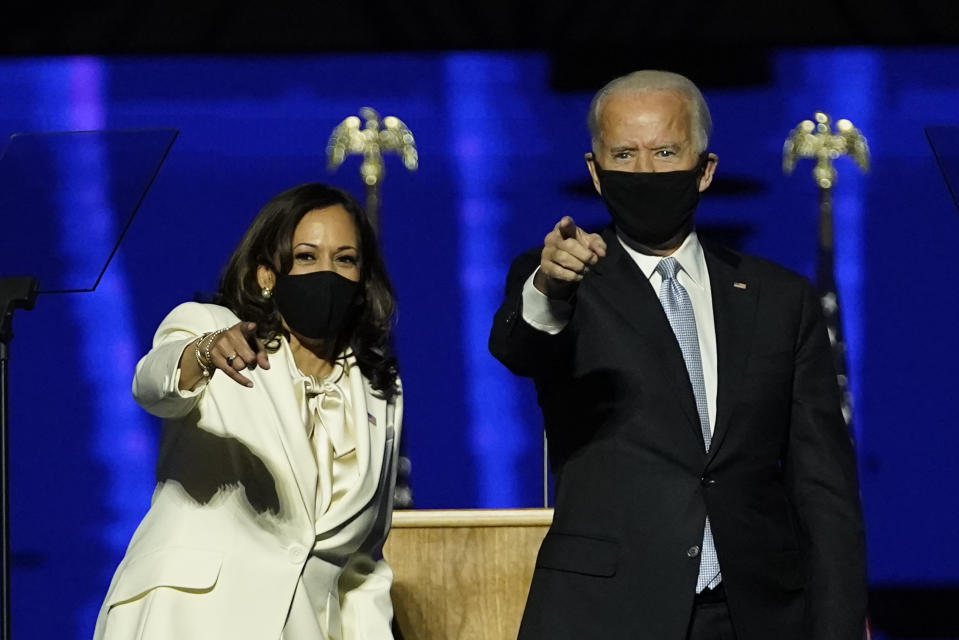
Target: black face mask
[[316, 305], [648, 207]]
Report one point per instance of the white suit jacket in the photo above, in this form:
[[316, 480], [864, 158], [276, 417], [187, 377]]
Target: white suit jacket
[[232, 521]]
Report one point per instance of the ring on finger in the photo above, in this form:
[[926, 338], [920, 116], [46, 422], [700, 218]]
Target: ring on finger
[[230, 359]]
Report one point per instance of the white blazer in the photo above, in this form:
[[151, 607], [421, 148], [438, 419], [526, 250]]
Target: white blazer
[[232, 521]]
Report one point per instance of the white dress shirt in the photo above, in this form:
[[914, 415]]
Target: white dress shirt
[[551, 316]]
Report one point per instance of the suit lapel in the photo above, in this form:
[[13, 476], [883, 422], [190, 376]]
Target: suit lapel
[[735, 298], [627, 292], [370, 424], [289, 407]]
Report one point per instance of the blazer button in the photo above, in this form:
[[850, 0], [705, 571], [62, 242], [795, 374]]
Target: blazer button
[[706, 482], [693, 551], [297, 554]]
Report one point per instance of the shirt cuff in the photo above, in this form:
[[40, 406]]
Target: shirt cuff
[[543, 313]]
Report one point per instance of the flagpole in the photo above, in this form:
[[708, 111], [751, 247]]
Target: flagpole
[[376, 136], [816, 139], [371, 141]]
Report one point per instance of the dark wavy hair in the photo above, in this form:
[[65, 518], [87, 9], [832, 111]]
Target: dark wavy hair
[[268, 242]]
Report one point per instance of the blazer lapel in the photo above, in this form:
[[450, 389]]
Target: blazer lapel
[[627, 292], [370, 423], [289, 407], [735, 298]]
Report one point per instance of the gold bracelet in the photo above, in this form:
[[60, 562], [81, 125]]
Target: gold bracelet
[[206, 368], [209, 344]]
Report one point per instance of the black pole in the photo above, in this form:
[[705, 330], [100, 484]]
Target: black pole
[[15, 293], [373, 205], [5, 491]]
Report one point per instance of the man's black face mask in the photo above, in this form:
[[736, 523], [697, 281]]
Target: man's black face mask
[[649, 207]]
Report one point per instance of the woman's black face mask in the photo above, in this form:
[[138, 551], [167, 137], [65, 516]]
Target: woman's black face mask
[[317, 305], [651, 207]]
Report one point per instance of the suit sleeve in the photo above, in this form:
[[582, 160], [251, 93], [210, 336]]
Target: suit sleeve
[[525, 350], [157, 377], [820, 470]]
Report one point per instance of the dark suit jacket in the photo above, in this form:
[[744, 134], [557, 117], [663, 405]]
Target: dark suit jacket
[[634, 483]]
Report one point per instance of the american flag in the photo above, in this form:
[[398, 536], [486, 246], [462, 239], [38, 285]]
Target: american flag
[[829, 298]]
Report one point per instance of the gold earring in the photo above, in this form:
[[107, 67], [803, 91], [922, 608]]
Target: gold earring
[[266, 292]]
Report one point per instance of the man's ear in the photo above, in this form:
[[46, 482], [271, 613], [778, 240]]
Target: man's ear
[[708, 171], [265, 277], [591, 166]]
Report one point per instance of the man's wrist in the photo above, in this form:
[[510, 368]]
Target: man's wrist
[[552, 288], [542, 312]]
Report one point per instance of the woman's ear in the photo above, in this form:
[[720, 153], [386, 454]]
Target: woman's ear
[[265, 277]]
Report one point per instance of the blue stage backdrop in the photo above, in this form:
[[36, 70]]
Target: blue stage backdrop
[[501, 159]]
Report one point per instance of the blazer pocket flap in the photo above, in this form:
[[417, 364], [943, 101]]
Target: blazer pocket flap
[[180, 568], [579, 554]]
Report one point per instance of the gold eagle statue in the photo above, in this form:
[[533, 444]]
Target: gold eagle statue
[[816, 140], [370, 141]]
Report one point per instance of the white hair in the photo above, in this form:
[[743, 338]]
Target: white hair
[[648, 81]]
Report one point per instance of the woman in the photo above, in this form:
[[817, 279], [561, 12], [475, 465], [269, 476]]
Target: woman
[[282, 410]]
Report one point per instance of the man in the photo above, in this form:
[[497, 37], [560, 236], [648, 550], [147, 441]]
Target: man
[[706, 484]]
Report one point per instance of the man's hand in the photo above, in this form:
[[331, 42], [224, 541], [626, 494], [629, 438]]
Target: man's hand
[[568, 252]]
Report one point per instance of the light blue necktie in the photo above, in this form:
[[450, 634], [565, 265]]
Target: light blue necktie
[[679, 310]]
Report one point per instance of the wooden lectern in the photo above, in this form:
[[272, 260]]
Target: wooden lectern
[[463, 574]]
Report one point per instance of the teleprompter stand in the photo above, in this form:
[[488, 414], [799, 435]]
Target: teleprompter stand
[[66, 200]]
